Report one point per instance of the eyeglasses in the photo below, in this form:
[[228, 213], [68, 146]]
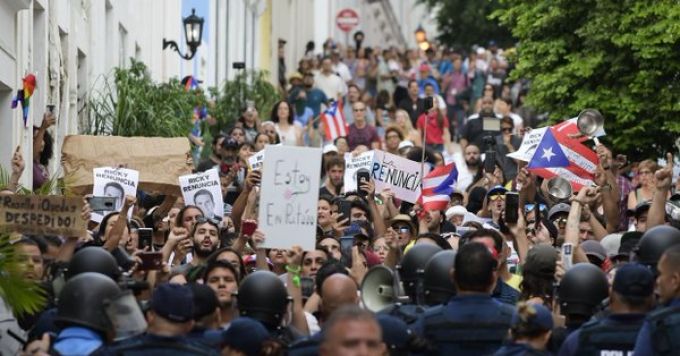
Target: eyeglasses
[[496, 197], [507, 129], [561, 221]]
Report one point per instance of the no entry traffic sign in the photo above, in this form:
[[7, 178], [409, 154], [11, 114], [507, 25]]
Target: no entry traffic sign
[[347, 19]]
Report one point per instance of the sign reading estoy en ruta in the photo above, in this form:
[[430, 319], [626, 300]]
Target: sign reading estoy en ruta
[[35, 214]]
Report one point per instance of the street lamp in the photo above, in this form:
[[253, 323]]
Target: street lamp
[[421, 36], [193, 32]]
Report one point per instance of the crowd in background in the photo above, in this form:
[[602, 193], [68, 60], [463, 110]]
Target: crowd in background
[[474, 281]]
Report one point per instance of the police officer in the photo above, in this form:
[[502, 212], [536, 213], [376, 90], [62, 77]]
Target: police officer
[[85, 327], [660, 334], [170, 319], [263, 297], [654, 242], [530, 331], [472, 322], [438, 287], [206, 316], [410, 271], [631, 297], [581, 291]]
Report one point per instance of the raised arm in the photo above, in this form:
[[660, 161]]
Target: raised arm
[[664, 180]]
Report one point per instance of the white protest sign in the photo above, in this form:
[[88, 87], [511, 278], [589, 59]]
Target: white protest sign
[[204, 190], [114, 182], [256, 160], [528, 147], [401, 175], [289, 196], [352, 165]]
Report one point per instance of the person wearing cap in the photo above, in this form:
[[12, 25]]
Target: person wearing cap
[[530, 331], [170, 318], [640, 216], [558, 215], [660, 332], [206, 316], [494, 204], [631, 297], [398, 336], [596, 254], [426, 78], [538, 275], [247, 336], [456, 214], [335, 175]]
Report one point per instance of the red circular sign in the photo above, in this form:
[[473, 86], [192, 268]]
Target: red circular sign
[[347, 19]]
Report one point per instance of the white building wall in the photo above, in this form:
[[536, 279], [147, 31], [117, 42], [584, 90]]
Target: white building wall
[[69, 45]]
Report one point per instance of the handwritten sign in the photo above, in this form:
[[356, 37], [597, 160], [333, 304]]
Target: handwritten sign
[[114, 182], [49, 215], [255, 161], [289, 196], [204, 191], [401, 175], [354, 164]]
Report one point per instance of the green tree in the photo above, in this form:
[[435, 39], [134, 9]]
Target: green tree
[[467, 22], [619, 56]]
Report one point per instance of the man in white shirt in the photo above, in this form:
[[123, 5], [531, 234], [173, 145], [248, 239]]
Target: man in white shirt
[[329, 82], [340, 67]]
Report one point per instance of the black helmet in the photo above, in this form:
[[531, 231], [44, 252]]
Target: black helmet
[[437, 284], [263, 296], [582, 289], [93, 259], [654, 242], [415, 260], [81, 301]]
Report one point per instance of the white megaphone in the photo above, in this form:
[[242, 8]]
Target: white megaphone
[[588, 122], [381, 288], [559, 189]]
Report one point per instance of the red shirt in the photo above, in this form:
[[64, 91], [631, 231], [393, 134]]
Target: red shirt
[[435, 133]]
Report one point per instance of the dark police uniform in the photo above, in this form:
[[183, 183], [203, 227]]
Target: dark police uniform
[[516, 349], [409, 313], [466, 325], [660, 333], [613, 335], [154, 345]]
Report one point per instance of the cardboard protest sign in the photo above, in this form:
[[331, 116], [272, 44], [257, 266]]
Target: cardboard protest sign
[[49, 215], [352, 165], [114, 182], [203, 190], [159, 161], [401, 175], [289, 196], [256, 160]]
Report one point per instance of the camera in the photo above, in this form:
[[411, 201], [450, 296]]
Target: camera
[[239, 65]]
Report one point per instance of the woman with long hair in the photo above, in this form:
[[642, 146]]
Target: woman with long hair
[[647, 184], [403, 122], [437, 135], [283, 117], [43, 147]]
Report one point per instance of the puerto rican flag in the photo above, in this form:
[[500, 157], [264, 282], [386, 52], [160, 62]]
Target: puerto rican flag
[[583, 161], [438, 186], [334, 122]]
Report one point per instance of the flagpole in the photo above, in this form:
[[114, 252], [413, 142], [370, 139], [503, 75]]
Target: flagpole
[[422, 158]]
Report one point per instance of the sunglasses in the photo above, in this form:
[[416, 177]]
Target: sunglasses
[[561, 221], [530, 207], [496, 197], [507, 129], [203, 220]]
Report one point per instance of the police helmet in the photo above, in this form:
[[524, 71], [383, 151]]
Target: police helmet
[[654, 242], [437, 283], [81, 301], [414, 261], [262, 296], [582, 289], [93, 259]]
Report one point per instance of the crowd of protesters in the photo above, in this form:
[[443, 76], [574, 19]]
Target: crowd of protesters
[[469, 281]]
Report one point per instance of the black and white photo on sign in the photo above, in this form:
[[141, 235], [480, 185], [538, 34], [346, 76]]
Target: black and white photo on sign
[[116, 183], [204, 191]]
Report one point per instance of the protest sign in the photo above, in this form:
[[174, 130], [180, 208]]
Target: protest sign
[[401, 175], [159, 160], [530, 141], [289, 196], [352, 165], [204, 190], [114, 182], [256, 160], [49, 215]]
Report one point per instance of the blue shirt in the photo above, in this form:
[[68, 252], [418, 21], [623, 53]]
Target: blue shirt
[[428, 80], [315, 97], [304, 117], [643, 344], [77, 341], [515, 349], [506, 294], [571, 344]]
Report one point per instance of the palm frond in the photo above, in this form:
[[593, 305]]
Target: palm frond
[[23, 296]]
